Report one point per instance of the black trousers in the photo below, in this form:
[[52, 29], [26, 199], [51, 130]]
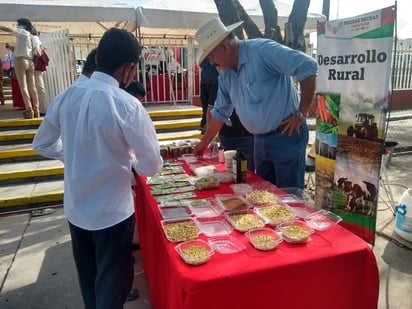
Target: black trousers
[[104, 264]]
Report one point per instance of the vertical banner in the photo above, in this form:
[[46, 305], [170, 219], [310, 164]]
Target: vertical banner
[[354, 58]]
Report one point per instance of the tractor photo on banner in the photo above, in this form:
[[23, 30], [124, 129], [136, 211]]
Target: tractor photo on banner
[[354, 58]]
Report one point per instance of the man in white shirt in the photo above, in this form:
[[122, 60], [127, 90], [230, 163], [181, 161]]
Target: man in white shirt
[[93, 126]]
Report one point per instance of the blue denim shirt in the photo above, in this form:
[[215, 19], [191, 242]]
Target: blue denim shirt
[[261, 88]]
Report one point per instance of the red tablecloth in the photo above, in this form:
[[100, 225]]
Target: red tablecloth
[[335, 269]]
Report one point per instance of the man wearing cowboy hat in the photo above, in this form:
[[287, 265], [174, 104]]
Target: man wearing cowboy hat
[[256, 81]]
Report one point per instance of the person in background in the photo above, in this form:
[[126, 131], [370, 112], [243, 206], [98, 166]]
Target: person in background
[[39, 73], [137, 90], [1, 83], [15, 88], [93, 126], [163, 55], [256, 80], [89, 67], [234, 137], [208, 76], [10, 56], [24, 66]]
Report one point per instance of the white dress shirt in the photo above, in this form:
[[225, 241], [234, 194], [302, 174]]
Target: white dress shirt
[[93, 126]]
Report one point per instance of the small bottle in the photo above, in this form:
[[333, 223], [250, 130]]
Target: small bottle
[[221, 155], [213, 151], [239, 168]]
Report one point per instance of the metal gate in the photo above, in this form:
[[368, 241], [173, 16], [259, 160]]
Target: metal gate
[[60, 72], [166, 68]]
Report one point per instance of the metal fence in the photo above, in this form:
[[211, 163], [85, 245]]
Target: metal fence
[[400, 122], [61, 71], [166, 69], [402, 68]]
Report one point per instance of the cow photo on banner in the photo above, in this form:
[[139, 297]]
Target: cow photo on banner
[[354, 58]]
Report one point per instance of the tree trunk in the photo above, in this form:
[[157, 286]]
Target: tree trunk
[[270, 16], [294, 36], [228, 14], [252, 31], [231, 11]]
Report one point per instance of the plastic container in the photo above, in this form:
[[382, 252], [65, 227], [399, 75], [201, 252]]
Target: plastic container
[[302, 212], [264, 239], [188, 157], [175, 212], [164, 152], [322, 220], [229, 154], [226, 244], [297, 232], [290, 199], [185, 148], [245, 220], [178, 230], [223, 176], [230, 202], [202, 170], [214, 226], [194, 252], [403, 224], [206, 182], [241, 188], [205, 208], [276, 214], [261, 198]]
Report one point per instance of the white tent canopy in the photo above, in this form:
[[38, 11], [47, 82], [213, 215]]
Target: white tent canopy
[[81, 18], [92, 18]]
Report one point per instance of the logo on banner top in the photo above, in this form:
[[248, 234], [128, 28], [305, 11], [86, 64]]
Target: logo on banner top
[[353, 27]]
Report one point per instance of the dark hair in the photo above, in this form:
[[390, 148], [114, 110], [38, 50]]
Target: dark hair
[[116, 47], [34, 31], [26, 23], [90, 64], [230, 36], [136, 89]]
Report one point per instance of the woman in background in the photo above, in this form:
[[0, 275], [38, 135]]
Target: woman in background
[[39, 73], [24, 66]]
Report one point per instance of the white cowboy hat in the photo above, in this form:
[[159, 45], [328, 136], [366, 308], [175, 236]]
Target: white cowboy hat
[[211, 34]]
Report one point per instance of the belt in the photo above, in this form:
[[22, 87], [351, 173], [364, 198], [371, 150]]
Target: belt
[[279, 129]]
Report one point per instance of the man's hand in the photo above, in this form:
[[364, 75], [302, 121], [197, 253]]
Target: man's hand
[[200, 148], [292, 123], [213, 127]]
